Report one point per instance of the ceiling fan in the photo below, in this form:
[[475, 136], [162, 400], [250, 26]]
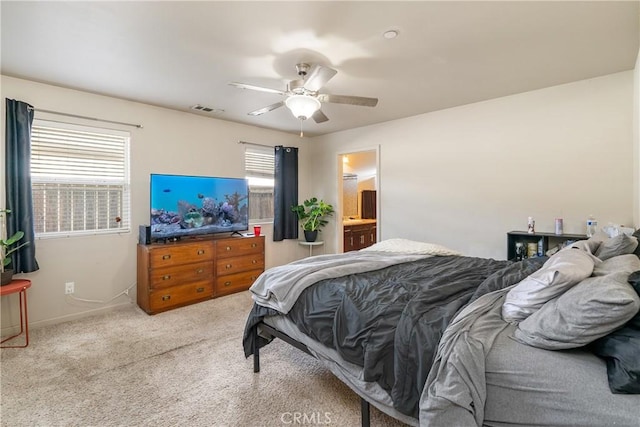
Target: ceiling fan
[[303, 98]]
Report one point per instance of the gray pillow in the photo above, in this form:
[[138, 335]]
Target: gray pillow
[[562, 271], [621, 349], [621, 263], [591, 245], [619, 245], [590, 310]]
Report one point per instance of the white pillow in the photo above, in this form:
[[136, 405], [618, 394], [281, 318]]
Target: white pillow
[[410, 247], [562, 271]]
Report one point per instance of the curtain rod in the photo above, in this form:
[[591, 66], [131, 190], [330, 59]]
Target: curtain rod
[[87, 118], [253, 143]]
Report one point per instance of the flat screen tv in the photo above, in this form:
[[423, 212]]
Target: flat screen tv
[[183, 205]]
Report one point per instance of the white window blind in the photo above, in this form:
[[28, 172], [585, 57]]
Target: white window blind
[[80, 179], [259, 162], [259, 169]]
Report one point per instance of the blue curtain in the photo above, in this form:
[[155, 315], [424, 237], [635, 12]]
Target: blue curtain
[[19, 118], [285, 193]]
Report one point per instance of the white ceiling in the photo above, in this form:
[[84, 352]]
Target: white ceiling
[[177, 54]]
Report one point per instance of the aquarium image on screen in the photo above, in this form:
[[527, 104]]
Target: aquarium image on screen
[[184, 205]]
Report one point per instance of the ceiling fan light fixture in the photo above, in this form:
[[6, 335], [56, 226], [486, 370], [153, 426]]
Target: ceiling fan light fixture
[[302, 106]]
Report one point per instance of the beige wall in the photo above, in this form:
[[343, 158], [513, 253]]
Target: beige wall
[[464, 177], [461, 177], [170, 142], [636, 139]]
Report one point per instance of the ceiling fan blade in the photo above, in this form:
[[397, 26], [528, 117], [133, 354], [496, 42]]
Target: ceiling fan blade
[[319, 117], [318, 77], [266, 109], [346, 99], [258, 88]]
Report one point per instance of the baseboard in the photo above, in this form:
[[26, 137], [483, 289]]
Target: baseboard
[[66, 318]]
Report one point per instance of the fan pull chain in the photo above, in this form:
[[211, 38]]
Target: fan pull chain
[[301, 133]]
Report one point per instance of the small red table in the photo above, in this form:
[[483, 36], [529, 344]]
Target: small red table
[[20, 286]]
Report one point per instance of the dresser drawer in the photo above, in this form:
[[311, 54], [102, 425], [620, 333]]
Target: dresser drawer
[[242, 263], [175, 254], [165, 299], [180, 275], [235, 282], [228, 248]]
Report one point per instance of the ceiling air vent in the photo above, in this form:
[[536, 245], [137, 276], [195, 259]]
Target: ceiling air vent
[[199, 107]]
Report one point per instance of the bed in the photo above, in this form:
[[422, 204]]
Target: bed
[[435, 338]]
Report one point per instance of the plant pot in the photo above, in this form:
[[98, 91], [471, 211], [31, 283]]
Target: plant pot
[[310, 236], [6, 277]]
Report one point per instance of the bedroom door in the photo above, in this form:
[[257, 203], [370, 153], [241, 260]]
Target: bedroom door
[[359, 197]]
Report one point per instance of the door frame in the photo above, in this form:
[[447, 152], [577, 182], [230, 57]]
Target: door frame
[[339, 204]]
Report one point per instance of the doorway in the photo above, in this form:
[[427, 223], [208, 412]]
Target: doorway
[[359, 196]]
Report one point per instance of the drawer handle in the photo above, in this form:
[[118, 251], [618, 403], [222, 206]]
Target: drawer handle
[[166, 277], [253, 261], [166, 298], [228, 248], [228, 266], [254, 245], [200, 290], [227, 283], [201, 251], [166, 256], [200, 271]]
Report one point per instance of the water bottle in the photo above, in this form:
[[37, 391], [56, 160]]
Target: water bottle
[[592, 226]]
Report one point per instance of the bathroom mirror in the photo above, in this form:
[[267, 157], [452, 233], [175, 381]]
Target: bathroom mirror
[[350, 195]]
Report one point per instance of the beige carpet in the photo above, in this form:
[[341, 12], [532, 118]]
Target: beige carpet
[[183, 367]]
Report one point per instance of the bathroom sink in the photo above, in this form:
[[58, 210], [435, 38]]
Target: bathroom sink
[[352, 221], [358, 221]]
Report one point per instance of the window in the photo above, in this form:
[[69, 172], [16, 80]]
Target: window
[[259, 167], [80, 179]]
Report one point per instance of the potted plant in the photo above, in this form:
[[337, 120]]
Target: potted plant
[[7, 247], [311, 214]]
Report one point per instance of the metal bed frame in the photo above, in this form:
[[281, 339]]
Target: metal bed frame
[[365, 413]]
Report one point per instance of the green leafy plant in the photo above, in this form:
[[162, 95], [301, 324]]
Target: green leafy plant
[[6, 248], [312, 213]]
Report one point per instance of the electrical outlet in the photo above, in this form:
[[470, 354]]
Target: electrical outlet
[[69, 288]]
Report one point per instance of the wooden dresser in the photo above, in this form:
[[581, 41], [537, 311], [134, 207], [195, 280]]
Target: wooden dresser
[[172, 275]]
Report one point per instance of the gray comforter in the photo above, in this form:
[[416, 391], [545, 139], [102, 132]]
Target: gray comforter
[[390, 321], [455, 394], [279, 287]]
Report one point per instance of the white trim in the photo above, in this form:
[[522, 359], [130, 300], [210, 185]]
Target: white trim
[[340, 228], [61, 319]]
